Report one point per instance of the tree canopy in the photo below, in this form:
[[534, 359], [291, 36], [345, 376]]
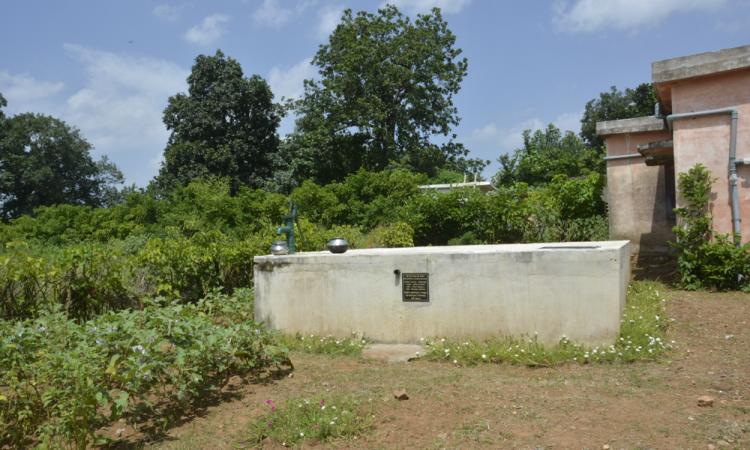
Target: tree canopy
[[545, 154], [386, 88], [615, 104], [225, 126], [44, 161]]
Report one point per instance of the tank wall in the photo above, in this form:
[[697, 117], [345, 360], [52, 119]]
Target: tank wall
[[477, 291]]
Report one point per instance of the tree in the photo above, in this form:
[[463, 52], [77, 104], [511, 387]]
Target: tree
[[3, 104], [546, 154], [43, 161], [387, 86], [224, 126], [614, 105]]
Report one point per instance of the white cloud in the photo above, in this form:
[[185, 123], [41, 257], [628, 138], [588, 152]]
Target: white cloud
[[592, 15], [272, 14], [119, 108], [208, 31], [423, 6], [289, 82], [21, 89], [168, 12], [328, 19], [511, 138]]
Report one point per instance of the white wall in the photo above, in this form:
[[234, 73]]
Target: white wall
[[478, 291]]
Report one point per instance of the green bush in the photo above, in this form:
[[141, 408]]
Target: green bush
[[398, 234], [190, 268], [61, 381], [85, 280], [706, 259]]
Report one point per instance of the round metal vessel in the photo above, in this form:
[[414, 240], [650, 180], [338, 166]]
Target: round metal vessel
[[279, 248], [338, 245]]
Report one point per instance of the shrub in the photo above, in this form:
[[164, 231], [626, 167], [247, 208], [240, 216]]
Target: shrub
[[398, 234], [706, 259], [190, 268]]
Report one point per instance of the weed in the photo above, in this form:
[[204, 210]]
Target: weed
[[329, 345], [320, 419]]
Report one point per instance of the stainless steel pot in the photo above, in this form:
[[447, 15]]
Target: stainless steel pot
[[338, 245], [279, 248]]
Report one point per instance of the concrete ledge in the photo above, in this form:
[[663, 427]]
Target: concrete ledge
[[700, 64], [634, 125], [650, 147], [548, 290]]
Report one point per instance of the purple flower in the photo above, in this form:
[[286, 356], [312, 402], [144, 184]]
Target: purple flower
[[270, 423]]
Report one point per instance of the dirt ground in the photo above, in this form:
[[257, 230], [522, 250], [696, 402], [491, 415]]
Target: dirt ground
[[642, 405]]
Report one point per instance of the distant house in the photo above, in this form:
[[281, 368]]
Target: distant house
[[484, 186], [703, 116]]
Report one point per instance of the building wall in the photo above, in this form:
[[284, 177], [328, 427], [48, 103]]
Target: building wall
[[637, 195], [706, 140]]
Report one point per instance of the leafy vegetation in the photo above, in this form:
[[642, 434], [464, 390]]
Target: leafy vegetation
[[386, 88], [224, 126], [642, 337], [706, 259], [616, 104], [546, 154], [44, 161], [62, 380], [318, 419]]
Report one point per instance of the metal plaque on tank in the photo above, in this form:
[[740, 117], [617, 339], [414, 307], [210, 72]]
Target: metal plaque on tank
[[415, 287]]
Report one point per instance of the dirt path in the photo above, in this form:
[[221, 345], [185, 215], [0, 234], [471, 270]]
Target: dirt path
[[644, 405]]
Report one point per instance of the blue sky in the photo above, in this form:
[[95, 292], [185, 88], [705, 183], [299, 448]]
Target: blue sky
[[108, 67]]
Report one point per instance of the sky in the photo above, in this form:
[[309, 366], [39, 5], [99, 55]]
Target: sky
[[109, 67]]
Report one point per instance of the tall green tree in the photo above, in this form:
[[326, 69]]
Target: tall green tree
[[546, 154], [386, 88], [613, 105], [44, 161], [224, 126]]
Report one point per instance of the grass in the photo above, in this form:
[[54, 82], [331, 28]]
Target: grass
[[318, 419], [330, 345], [642, 338]]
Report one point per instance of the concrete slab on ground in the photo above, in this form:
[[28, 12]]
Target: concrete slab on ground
[[393, 352]]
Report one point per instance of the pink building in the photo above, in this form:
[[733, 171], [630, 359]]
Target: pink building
[[703, 116]]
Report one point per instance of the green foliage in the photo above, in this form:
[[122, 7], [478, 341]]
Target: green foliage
[[189, 268], [83, 280], [398, 234], [319, 419], [613, 105], [365, 199], [387, 86], [546, 154], [642, 337], [224, 126], [567, 209], [705, 259], [44, 161], [63, 380]]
